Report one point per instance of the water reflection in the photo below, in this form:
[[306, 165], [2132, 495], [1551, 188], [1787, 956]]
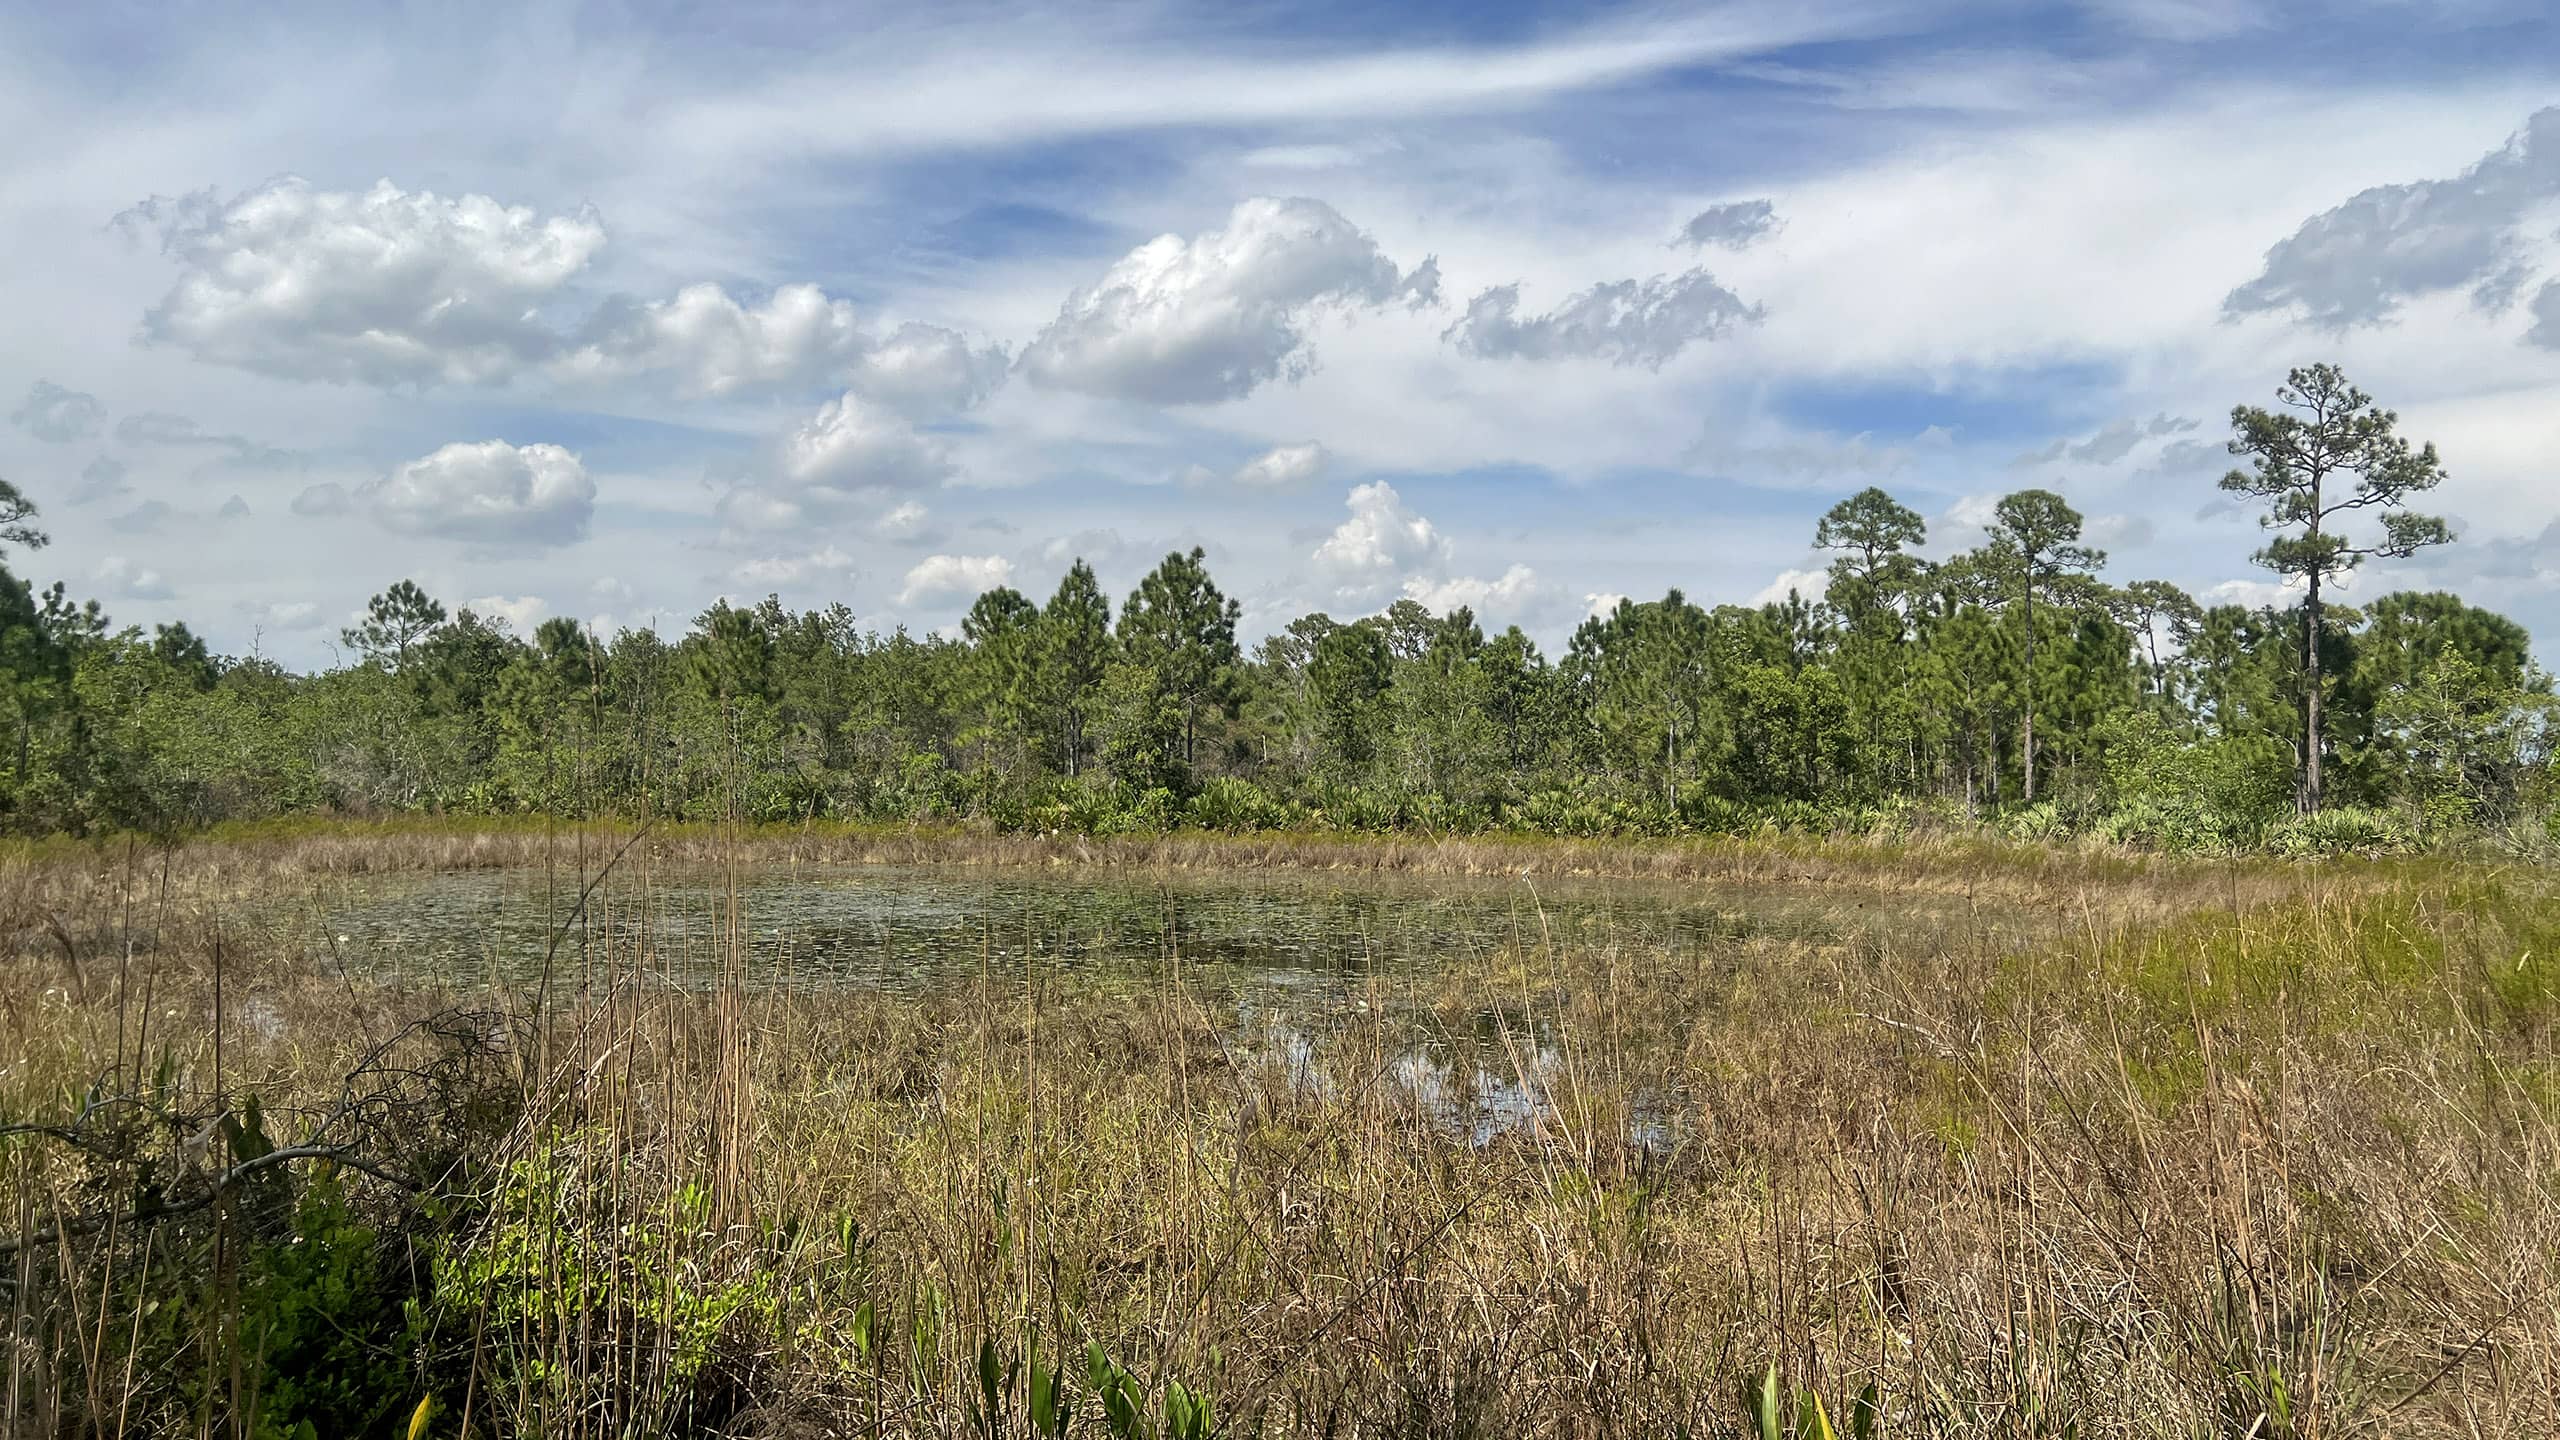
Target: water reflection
[[1282, 961], [914, 929]]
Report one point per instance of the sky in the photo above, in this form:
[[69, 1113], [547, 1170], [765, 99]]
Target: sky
[[606, 311]]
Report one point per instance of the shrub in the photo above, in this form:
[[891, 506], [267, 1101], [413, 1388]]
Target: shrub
[[2174, 794], [1235, 805], [2346, 830]]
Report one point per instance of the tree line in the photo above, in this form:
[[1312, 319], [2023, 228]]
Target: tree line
[[2013, 681]]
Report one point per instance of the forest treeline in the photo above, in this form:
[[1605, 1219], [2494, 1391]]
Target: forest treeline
[[2017, 682]]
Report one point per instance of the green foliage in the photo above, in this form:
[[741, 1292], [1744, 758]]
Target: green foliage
[[2000, 687], [395, 621], [2185, 793], [2342, 830], [1235, 805]]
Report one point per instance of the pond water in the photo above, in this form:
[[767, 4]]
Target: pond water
[[1282, 958], [916, 928]]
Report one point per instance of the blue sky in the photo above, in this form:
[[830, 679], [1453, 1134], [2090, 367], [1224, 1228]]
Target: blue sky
[[604, 311]]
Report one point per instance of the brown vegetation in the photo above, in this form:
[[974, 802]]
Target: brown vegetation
[[2234, 1149]]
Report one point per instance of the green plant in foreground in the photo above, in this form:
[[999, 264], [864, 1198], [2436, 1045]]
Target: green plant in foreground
[[1767, 1413], [1187, 1414]]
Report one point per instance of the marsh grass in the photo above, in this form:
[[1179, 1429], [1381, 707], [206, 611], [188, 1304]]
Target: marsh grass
[[2232, 1149]]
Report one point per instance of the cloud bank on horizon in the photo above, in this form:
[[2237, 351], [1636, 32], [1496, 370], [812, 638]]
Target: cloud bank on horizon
[[1511, 308]]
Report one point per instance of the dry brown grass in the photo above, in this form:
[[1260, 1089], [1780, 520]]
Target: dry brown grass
[[2235, 1150]]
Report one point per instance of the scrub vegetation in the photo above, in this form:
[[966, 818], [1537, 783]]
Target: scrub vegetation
[[2012, 686], [2225, 1107], [2228, 1147]]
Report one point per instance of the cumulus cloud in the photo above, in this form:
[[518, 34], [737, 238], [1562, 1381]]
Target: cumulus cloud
[[1515, 589], [59, 416], [851, 449], [1626, 322], [852, 444], [1734, 226], [905, 521], [948, 577], [386, 287], [775, 571], [1599, 603], [1098, 547], [2121, 532], [1380, 545], [925, 370], [124, 579], [2110, 444], [2356, 263], [101, 479], [397, 288], [283, 615], [1811, 584], [1216, 316], [1283, 467], [518, 614], [488, 493], [2255, 594], [711, 344]]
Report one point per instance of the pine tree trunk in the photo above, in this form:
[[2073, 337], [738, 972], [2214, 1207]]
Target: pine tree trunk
[[2311, 697], [2030, 738]]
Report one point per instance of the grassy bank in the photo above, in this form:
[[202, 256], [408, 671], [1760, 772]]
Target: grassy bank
[[2236, 1149], [248, 855]]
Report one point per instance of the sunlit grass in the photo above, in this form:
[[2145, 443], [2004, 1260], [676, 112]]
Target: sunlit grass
[[2234, 1148]]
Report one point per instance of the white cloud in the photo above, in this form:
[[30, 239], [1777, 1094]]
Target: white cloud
[[1813, 461], [1599, 603], [1215, 317], [283, 615], [946, 577], [59, 416], [1811, 584], [386, 287], [1100, 548], [489, 493], [2255, 594], [2112, 443], [519, 614], [1284, 467], [1317, 157], [2183, 20], [1046, 79], [2121, 532], [126, 580], [1382, 544], [852, 448], [852, 444], [1626, 322], [925, 370], [905, 521], [714, 345], [776, 571], [1514, 590]]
